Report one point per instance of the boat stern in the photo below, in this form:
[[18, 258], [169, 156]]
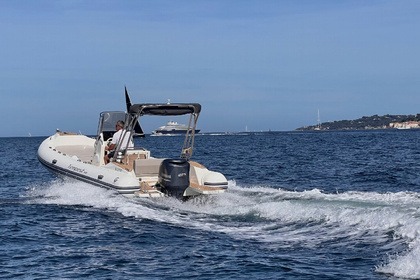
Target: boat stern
[[204, 181]]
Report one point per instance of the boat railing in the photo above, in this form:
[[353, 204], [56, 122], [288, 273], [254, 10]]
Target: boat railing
[[187, 148]]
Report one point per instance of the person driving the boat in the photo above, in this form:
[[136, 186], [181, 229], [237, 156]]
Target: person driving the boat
[[119, 135]]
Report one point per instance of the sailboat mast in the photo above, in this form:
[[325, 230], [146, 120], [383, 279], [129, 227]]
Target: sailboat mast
[[319, 121]]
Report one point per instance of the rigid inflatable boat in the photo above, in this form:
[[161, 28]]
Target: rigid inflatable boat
[[132, 171]]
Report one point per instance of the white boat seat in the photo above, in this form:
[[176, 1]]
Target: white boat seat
[[147, 167]]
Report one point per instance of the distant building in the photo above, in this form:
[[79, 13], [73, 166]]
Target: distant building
[[405, 125]]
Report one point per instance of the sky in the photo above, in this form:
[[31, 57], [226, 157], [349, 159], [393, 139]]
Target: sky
[[256, 65]]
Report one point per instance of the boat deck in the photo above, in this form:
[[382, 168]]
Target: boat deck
[[147, 190], [84, 153]]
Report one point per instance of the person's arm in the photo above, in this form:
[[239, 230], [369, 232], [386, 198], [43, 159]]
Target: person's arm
[[110, 147], [114, 140]]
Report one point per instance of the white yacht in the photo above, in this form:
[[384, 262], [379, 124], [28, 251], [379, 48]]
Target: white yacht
[[172, 128]]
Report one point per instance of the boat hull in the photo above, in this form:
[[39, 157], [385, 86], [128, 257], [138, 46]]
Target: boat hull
[[110, 177], [79, 157]]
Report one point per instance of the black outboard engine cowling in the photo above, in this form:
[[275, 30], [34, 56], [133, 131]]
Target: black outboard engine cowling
[[174, 176]]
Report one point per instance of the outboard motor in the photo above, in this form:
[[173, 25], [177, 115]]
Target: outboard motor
[[174, 176]]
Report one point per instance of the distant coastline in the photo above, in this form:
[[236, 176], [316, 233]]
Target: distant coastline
[[371, 122]]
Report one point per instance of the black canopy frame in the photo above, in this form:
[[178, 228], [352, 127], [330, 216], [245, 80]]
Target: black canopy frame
[[167, 109]]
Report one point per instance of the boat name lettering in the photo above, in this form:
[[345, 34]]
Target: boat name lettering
[[77, 169]]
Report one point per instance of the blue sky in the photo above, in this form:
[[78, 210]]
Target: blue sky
[[256, 64]]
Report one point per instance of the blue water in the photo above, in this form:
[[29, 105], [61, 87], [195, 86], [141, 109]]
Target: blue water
[[327, 205]]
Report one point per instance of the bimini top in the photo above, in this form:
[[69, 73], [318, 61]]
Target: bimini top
[[165, 109]]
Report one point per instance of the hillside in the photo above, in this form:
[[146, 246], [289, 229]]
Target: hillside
[[372, 122]]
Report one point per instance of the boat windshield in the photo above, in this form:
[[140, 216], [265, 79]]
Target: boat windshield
[[107, 121]]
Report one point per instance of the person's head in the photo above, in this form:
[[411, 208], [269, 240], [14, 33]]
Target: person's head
[[119, 125]]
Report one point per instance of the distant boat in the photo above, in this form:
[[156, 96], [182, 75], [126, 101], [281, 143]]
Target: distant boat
[[172, 128]]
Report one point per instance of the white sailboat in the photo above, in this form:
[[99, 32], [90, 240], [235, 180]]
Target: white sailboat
[[318, 126]]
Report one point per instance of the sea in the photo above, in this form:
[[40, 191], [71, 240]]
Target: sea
[[300, 205]]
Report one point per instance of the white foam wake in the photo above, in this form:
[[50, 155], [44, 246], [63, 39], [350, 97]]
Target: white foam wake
[[275, 216]]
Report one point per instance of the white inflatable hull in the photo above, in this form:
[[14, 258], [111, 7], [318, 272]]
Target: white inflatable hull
[[80, 157]]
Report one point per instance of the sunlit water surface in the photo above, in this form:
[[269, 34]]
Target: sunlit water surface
[[328, 205]]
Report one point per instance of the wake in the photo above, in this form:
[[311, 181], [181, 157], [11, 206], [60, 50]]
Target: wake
[[276, 217]]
